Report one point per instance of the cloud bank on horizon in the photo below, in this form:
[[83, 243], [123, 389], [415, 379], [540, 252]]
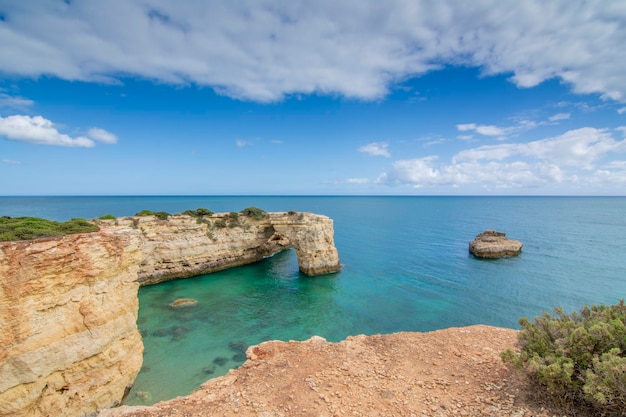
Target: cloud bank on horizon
[[268, 51]]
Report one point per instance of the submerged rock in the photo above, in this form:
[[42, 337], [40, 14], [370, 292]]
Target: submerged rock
[[220, 361], [176, 332], [144, 396], [494, 244], [209, 370], [183, 302], [238, 346]]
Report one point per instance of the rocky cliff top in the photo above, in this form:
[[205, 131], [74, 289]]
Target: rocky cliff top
[[452, 372]]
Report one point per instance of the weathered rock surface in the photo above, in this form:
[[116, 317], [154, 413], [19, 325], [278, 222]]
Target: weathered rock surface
[[184, 246], [494, 244], [452, 372], [68, 312], [312, 237], [68, 305]]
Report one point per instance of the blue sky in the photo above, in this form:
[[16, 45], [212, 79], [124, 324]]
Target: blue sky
[[406, 97]]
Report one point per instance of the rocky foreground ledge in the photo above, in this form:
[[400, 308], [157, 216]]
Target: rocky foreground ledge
[[69, 344], [451, 372]]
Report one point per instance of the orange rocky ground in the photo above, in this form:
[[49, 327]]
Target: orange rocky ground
[[452, 372]]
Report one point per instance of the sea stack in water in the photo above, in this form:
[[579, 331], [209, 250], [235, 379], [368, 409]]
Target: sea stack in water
[[494, 244]]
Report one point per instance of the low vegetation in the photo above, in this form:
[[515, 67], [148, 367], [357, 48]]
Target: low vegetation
[[161, 215], [220, 223], [198, 212], [254, 212], [579, 359], [26, 228]]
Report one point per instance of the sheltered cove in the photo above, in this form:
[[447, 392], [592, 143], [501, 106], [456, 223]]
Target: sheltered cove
[[68, 305]]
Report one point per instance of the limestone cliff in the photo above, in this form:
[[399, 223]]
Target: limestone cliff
[[68, 305], [68, 312], [184, 246]]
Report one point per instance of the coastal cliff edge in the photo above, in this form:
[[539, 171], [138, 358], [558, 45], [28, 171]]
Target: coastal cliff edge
[[68, 305]]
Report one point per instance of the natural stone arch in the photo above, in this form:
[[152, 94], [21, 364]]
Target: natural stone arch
[[313, 241]]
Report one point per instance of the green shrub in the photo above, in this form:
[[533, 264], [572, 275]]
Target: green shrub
[[234, 219], [292, 212], [220, 223], [204, 212], [254, 212], [162, 215], [198, 213], [107, 217], [26, 228], [578, 358]]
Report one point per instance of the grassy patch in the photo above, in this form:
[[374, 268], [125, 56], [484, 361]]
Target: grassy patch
[[26, 228]]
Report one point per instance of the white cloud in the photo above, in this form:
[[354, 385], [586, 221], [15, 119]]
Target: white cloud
[[502, 133], [622, 110], [485, 130], [38, 130], [571, 158], [357, 181], [466, 126], [277, 142], [241, 143], [102, 135], [579, 147], [559, 116], [376, 149], [15, 102], [11, 162], [271, 48], [489, 130]]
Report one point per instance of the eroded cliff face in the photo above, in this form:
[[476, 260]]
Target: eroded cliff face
[[183, 246], [68, 311], [68, 305], [312, 237]]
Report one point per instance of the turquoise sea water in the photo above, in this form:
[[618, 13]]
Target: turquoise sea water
[[405, 268]]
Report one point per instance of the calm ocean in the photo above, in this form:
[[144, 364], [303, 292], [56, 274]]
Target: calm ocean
[[405, 268]]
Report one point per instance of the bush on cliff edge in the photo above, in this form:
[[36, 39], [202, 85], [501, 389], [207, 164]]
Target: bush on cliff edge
[[26, 228], [577, 358]]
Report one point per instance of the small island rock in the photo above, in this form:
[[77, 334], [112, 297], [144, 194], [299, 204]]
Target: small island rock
[[183, 302], [494, 244]]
